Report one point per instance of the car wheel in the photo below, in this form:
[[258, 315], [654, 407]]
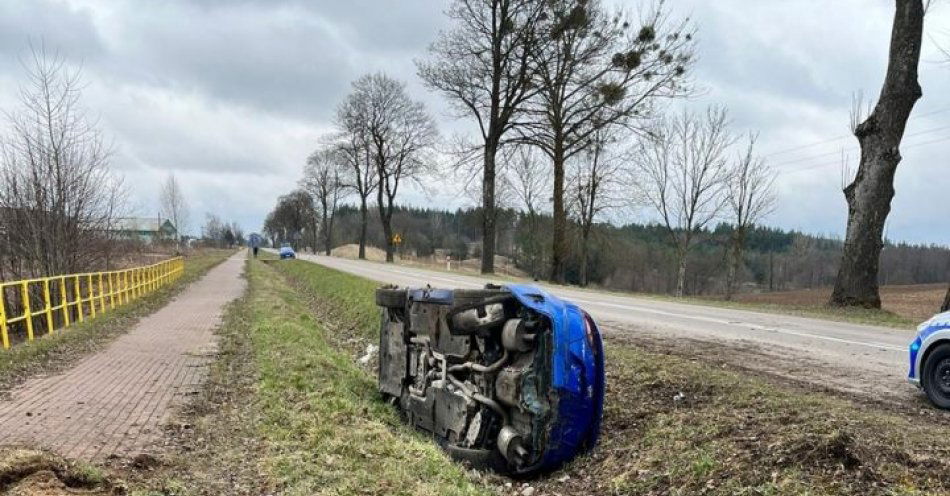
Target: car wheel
[[936, 376], [391, 298]]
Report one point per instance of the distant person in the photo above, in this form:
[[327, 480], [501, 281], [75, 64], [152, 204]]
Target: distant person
[[255, 242]]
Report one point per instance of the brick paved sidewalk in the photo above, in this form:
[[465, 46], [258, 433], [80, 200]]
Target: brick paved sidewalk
[[115, 401]]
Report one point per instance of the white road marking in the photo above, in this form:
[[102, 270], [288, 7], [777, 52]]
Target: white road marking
[[778, 330], [729, 322]]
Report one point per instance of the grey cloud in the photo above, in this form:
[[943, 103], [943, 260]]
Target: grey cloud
[[232, 94], [46, 22]]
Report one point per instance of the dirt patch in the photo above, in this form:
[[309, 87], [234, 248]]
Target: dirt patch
[[916, 302], [352, 251], [28, 472]]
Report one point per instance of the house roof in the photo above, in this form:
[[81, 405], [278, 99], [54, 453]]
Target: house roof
[[142, 224]]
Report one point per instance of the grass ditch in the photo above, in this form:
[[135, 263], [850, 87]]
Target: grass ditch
[[677, 426], [52, 353]]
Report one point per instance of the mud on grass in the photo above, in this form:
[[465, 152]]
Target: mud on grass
[[26, 472]]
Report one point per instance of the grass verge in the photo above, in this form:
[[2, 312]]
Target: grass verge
[[287, 411], [56, 352]]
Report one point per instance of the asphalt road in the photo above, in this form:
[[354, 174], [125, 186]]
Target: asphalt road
[[857, 358]]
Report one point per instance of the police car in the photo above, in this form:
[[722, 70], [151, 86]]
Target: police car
[[930, 359]]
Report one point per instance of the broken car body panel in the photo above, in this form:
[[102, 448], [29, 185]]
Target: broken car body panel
[[511, 377]]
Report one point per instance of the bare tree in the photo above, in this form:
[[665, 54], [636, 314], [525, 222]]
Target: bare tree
[[594, 70], [58, 195], [529, 182], [174, 207], [292, 219], [593, 182], [482, 65], [946, 303], [750, 197], [359, 174], [322, 179], [869, 195], [401, 135], [215, 231], [681, 173]]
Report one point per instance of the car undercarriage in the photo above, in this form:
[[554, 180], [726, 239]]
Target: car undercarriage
[[473, 368]]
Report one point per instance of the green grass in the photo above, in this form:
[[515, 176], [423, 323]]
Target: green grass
[[54, 352], [325, 429]]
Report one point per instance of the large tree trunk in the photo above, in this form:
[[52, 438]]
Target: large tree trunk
[[559, 234], [488, 209], [681, 276], [385, 217], [735, 262], [364, 219], [328, 242], [869, 196], [390, 247], [326, 234], [946, 302]]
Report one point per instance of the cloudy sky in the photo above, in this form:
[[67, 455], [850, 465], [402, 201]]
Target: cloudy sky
[[231, 95]]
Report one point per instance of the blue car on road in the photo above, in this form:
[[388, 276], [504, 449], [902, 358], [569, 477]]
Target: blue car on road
[[930, 359], [509, 378], [287, 251]]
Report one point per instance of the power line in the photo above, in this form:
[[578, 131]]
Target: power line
[[853, 149], [845, 136], [827, 164]]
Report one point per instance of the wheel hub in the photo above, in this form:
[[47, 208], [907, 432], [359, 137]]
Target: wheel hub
[[942, 376]]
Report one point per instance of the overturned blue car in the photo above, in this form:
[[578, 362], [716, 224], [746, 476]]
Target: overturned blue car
[[509, 378]]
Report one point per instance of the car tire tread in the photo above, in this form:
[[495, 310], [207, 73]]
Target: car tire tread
[[937, 397]]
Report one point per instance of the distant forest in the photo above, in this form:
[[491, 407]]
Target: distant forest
[[638, 257]]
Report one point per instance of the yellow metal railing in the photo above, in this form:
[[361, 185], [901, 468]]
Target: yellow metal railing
[[52, 303]]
